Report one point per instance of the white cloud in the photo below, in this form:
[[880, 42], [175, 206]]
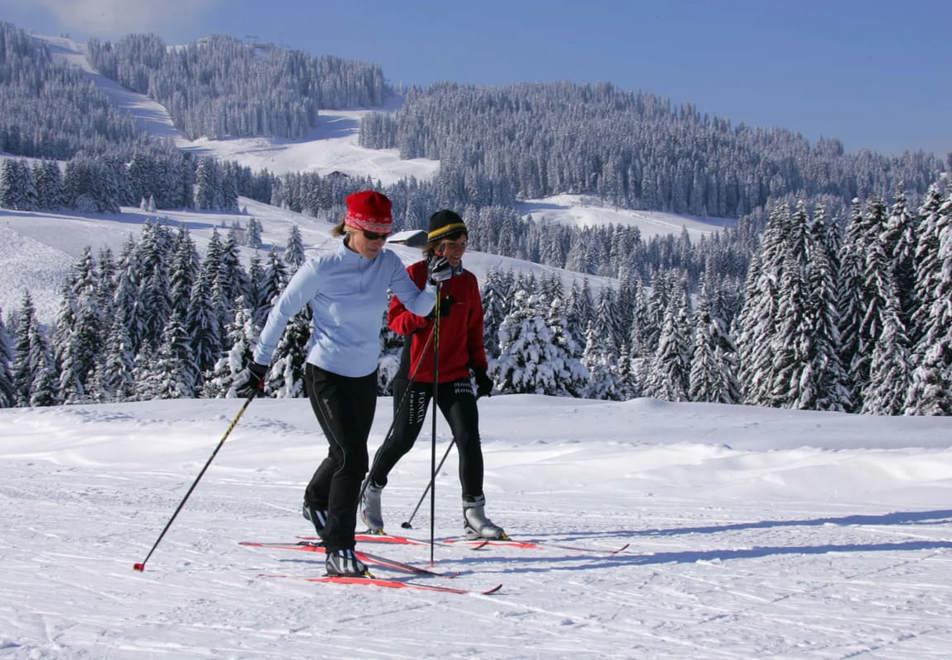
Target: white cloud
[[108, 18]]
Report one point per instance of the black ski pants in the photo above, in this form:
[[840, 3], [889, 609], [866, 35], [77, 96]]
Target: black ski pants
[[458, 405], [345, 409]]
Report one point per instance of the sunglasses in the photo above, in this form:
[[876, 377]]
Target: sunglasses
[[372, 236]]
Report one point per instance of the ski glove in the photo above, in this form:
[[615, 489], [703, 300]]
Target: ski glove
[[439, 270], [484, 384], [445, 304], [250, 380]]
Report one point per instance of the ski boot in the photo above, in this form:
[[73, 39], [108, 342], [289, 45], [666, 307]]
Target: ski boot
[[475, 523], [370, 511], [317, 517], [344, 563]]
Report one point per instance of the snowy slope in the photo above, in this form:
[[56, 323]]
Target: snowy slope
[[586, 211], [331, 146], [753, 532], [150, 117]]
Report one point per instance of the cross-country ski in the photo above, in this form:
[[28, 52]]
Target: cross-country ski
[[370, 558], [385, 583]]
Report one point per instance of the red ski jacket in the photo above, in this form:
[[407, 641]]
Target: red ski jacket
[[461, 330]]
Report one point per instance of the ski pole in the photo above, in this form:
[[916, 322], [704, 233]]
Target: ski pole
[[140, 566], [436, 396], [407, 523]]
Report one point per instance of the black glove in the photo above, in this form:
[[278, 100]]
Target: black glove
[[484, 384], [250, 380], [445, 304], [439, 270]]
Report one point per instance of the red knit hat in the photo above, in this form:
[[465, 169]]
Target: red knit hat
[[370, 211]]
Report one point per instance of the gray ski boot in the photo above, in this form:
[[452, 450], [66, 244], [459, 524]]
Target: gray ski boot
[[477, 525], [370, 510]]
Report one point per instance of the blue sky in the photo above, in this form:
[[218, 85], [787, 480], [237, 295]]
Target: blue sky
[[873, 74]]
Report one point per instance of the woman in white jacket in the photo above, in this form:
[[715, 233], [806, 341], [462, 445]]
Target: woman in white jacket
[[347, 293]]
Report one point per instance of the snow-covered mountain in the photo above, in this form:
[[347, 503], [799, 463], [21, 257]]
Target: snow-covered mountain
[[37, 249]]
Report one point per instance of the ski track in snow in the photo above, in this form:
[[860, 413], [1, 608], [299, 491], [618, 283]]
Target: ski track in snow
[[727, 560]]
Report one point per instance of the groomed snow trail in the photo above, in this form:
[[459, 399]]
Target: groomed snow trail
[[735, 552]]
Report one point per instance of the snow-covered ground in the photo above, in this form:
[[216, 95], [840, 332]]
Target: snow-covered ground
[[752, 532], [587, 211]]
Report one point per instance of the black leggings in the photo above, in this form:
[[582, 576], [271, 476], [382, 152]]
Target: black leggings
[[345, 409], [458, 405]]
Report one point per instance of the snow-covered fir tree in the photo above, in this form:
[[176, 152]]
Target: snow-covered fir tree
[[285, 378], [174, 374], [495, 293], [240, 340], [928, 273], [253, 239], [530, 361], [23, 370], [713, 375], [878, 287], [599, 357], [48, 184], [7, 393], [294, 251], [671, 368], [183, 272], [254, 295], [930, 392], [790, 343], [233, 280], [899, 239], [890, 371], [758, 317], [275, 278], [144, 388], [115, 373], [43, 389], [824, 384]]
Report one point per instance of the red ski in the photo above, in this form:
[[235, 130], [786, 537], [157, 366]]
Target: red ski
[[479, 544], [402, 584], [366, 557]]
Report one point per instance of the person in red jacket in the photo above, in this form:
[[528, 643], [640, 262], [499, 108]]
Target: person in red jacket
[[461, 352]]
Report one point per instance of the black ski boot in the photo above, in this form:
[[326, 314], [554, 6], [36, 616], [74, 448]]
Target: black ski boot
[[317, 517], [344, 563]]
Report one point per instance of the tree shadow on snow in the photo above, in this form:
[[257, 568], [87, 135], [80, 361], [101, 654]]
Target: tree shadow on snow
[[937, 517], [576, 562]]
